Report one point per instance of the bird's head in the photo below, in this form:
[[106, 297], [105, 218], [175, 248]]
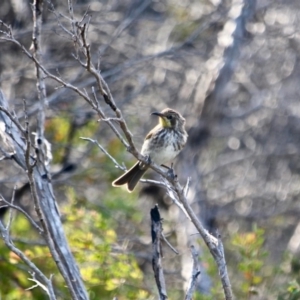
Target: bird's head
[[170, 118]]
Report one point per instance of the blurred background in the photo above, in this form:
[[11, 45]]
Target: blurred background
[[232, 69]]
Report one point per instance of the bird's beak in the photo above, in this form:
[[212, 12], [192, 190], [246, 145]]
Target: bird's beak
[[157, 114]]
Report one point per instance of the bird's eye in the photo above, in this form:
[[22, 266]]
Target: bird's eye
[[169, 117]]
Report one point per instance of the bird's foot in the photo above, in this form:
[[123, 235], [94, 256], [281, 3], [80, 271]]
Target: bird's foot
[[148, 159], [170, 171], [146, 163]]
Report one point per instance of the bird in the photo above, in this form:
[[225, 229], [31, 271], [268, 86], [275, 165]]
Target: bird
[[161, 145]]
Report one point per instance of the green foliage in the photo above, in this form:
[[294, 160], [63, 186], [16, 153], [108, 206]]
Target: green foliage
[[290, 270], [248, 248], [14, 273], [91, 226], [106, 268], [57, 130], [251, 260], [292, 292], [183, 30], [98, 221]]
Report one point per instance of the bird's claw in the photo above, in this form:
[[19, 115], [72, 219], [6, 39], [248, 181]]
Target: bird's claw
[[148, 159], [145, 163], [171, 173]]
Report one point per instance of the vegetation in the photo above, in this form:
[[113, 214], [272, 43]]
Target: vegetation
[[214, 62]]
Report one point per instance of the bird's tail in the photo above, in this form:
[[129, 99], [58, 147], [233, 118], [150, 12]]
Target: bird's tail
[[131, 177]]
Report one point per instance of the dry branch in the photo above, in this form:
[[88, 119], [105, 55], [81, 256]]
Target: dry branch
[[46, 283], [156, 233], [44, 200], [195, 274]]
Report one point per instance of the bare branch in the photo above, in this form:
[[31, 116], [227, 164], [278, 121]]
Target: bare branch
[[105, 152], [71, 11], [156, 233], [37, 54], [12, 118], [169, 244], [10, 212], [38, 283], [214, 244], [45, 204], [195, 273], [47, 282], [18, 208]]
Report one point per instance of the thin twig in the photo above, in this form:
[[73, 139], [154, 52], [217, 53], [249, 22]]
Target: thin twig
[[7, 240], [71, 11], [169, 244], [13, 119], [10, 211], [38, 283], [30, 219], [104, 151]]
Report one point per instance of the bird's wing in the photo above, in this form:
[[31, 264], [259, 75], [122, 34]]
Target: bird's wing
[[151, 132], [149, 135]]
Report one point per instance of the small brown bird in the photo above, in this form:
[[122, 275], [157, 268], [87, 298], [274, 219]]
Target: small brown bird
[[162, 144]]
